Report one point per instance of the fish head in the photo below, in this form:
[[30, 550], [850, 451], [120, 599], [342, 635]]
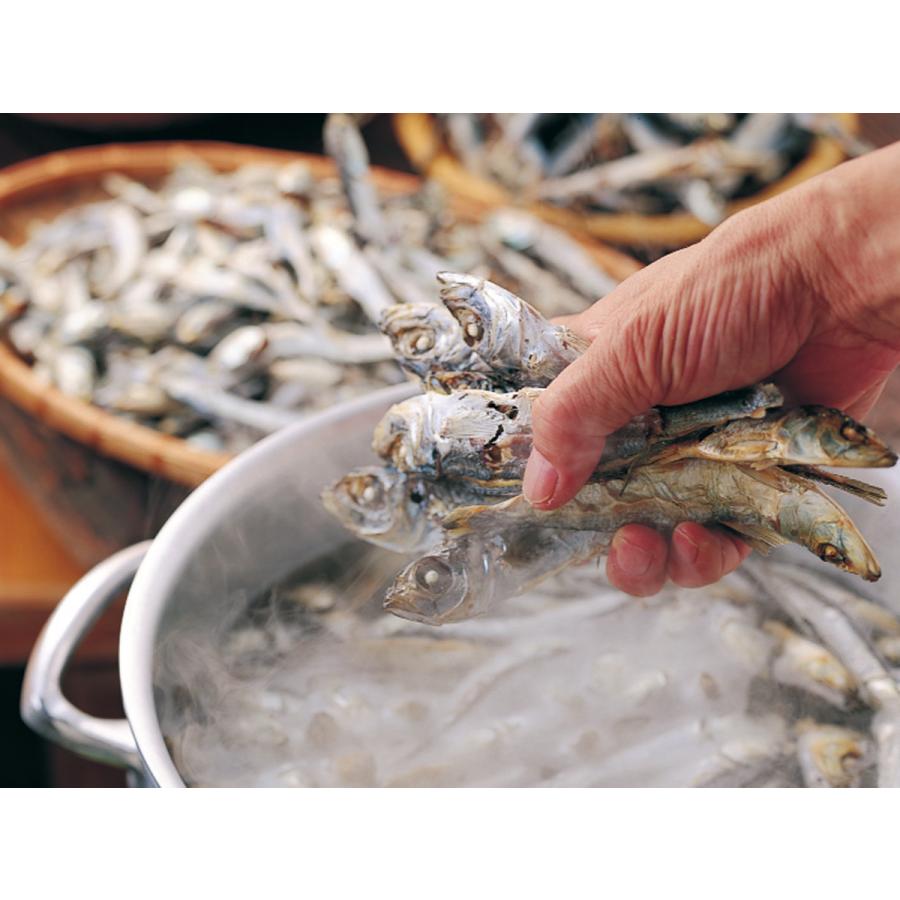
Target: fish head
[[403, 437], [837, 541], [417, 332], [841, 440], [432, 590], [464, 297], [384, 507]]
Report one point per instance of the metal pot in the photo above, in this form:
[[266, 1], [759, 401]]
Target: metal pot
[[250, 524]]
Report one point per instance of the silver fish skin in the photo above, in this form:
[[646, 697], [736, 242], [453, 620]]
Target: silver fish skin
[[478, 435], [403, 282], [344, 144], [556, 298], [221, 405], [805, 603], [751, 401], [666, 423], [128, 245], [555, 248], [485, 437], [286, 340], [803, 436], [697, 196], [513, 338], [285, 231], [471, 573], [351, 269], [761, 132], [702, 159], [771, 502]]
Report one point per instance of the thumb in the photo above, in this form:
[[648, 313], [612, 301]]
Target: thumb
[[614, 381]]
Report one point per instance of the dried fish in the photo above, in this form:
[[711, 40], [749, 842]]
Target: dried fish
[[831, 756], [471, 572], [426, 340], [803, 436], [248, 270], [770, 505], [396, 510], [481, 436], [554, 248], [346, 146], [640, 163], [352, 270], [810, 667], [485, 437], [513, 338]]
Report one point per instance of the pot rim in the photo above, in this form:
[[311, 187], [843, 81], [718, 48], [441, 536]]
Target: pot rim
[[169, 553]]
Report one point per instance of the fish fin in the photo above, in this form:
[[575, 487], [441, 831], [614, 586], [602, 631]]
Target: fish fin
[[756, 453], [459, 520], [660, 454], [635, 463], [466, 519], [760, 537], [869, 492]]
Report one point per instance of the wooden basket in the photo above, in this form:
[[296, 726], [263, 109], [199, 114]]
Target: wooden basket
[[101, 481], [420, 138]]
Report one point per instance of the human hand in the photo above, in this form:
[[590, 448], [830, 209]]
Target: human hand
[[803, 290]]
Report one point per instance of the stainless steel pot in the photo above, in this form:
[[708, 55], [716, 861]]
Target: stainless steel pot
[[252, 523]]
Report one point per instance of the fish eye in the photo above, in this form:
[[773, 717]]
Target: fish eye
[[434, 575], [369, 492], [423, 342], [829, 553], [473, 331], [852, 432]]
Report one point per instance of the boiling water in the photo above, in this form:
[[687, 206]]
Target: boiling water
[[311, 684]]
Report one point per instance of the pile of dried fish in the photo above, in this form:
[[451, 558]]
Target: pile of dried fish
[[639, 162], [220, 307], [454, 463]]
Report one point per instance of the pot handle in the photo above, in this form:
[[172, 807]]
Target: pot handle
[[43, 706]]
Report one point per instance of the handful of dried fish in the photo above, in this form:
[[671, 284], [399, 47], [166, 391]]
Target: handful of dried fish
[[737, 460], [221, 306], [639, 162]]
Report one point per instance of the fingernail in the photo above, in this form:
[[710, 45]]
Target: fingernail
[[540, 479], [630, 558], [688, 548]]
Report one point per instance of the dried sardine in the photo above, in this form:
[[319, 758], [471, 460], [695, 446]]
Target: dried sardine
[[770, 504], [513, 338]]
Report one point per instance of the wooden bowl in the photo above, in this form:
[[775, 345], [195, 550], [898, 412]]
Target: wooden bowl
[[420, 138], [102, 481]]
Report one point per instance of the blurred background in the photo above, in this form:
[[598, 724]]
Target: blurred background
[[42, 552]]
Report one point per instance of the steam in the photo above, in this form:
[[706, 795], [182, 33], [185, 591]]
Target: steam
[[310, 684]]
